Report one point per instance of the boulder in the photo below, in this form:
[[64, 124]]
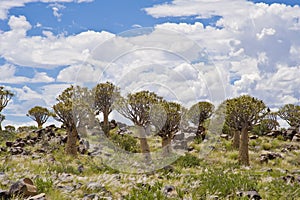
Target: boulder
[[253, 195], [224, 136], [41, 196], [23, 187], [4, 194], [253, 137], [179, 136], [296, 138]]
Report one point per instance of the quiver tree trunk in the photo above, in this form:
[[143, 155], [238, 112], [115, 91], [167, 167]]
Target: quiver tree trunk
[[145, 148], [243, 150], [105, 127], [72, 144], [236, 139], [166, 145]]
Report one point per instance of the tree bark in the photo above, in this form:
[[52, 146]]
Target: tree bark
[[71, 147], [243, 150], [166, 145], [145, 148], [105, 124], [236, 139]]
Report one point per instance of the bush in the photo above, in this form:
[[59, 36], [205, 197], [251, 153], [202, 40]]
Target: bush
[[188, 161], [10, 128], [126, 142], [266, 146]]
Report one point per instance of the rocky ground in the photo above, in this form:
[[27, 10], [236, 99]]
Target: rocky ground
[[33, 165]]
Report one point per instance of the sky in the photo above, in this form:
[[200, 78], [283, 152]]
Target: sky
[[184, 50]]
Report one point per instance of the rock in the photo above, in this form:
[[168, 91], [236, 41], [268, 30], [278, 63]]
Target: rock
[[179, 136], [253, 195], [23, 187], [289, 179], [296, 138], [4, 194], [253, 137], [19, 144], [9, 144], [213, 197], [41, 196], [80, 168], [169, 191], [16, 150], [90, 197], [94, 186], [224, 136], [181, 145]]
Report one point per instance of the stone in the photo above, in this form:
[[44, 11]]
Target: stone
[[4, 194], [9, 144], [16, 150], [253, 195], [224, 136], [90, 197], [179, 136], [23, 187], [94, 186], [169, 191], [296, 137], [41, 196], [253, 137]]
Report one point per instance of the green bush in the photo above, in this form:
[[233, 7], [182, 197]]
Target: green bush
[[126, 142], [266, 146], [188, 161], [7, 136]]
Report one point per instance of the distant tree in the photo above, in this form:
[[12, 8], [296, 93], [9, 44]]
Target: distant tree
[[5, 97], [242, 113], [39, 114], [166, 118], [291, 114], [137, 107], [198, 113], [105, 95], [10, 128], [71, 109], [2, 118]]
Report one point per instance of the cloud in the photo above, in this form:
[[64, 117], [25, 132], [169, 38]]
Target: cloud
[[6, 5], [56, 8], [7, 75]]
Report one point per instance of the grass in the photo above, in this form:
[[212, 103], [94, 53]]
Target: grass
[[193, 178]]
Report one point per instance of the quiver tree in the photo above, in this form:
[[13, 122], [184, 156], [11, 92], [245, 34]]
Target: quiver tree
[[291, 114], [104, 96], [198, 113], [137, 107], [242, 113], [72, 109], [39, 114], [166, 118], [5, 97]]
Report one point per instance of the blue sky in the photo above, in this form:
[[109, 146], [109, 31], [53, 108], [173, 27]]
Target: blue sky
[[253, 43]]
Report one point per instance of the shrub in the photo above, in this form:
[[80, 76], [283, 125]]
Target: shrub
[[126, 142], [10, 128], [266, 146], [188, 161]]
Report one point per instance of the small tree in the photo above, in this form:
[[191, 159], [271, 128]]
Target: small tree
[[5, 97], [105, 95], [39, 114], [198, 113], [166, 118], [291, 114], [242, 113], [136, 107], [10, 128]]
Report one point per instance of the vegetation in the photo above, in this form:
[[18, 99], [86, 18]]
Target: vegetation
[[220, 175], [105, 95], [39, 114], [291, 114], [242, 113]]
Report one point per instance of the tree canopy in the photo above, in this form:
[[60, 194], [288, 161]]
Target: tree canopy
[[5, 97], [39, 114], [291, 114]]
